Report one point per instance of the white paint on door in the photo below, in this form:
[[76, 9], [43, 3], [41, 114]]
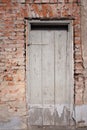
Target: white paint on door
[[50, 75]]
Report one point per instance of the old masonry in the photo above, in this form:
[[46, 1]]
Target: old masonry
[[43, 64]]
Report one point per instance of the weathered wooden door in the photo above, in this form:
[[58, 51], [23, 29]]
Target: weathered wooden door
[[50, 76]]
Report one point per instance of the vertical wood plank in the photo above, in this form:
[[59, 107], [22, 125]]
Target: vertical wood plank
[[35, 102], [48, 77], [35, 74], [35, 37], [60, 66], [62, 74]]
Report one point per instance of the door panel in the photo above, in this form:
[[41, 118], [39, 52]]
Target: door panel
[[35, 37], [60, 66], [61, 101], [35, 74], [50, 76]]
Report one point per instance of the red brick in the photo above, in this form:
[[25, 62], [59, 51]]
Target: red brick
[[8, 78]]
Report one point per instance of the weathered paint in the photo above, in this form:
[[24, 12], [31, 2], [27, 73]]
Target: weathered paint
[[50, 60], [57, 115]]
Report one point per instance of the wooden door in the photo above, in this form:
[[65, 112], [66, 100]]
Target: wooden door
[[50, 76]]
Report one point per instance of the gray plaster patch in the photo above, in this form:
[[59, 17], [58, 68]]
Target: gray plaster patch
[[63, 119], [58, 115], [14, 123], [35, 116], [81, 115], [48, 116]]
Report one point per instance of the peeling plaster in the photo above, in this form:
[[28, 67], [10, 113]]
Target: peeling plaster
[[60, 109], [59, 114]]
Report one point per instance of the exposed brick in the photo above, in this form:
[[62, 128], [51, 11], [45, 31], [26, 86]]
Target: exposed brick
[[53, 1], [79, 98], [45, 1], [8, 78], [12, 50]]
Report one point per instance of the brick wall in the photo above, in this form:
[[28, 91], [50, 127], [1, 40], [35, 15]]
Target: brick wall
[[84, 41], [13, 17]]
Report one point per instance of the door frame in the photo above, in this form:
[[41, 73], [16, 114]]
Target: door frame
[[69, 23]]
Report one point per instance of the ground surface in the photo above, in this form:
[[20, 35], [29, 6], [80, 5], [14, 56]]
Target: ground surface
[[56, 128]]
